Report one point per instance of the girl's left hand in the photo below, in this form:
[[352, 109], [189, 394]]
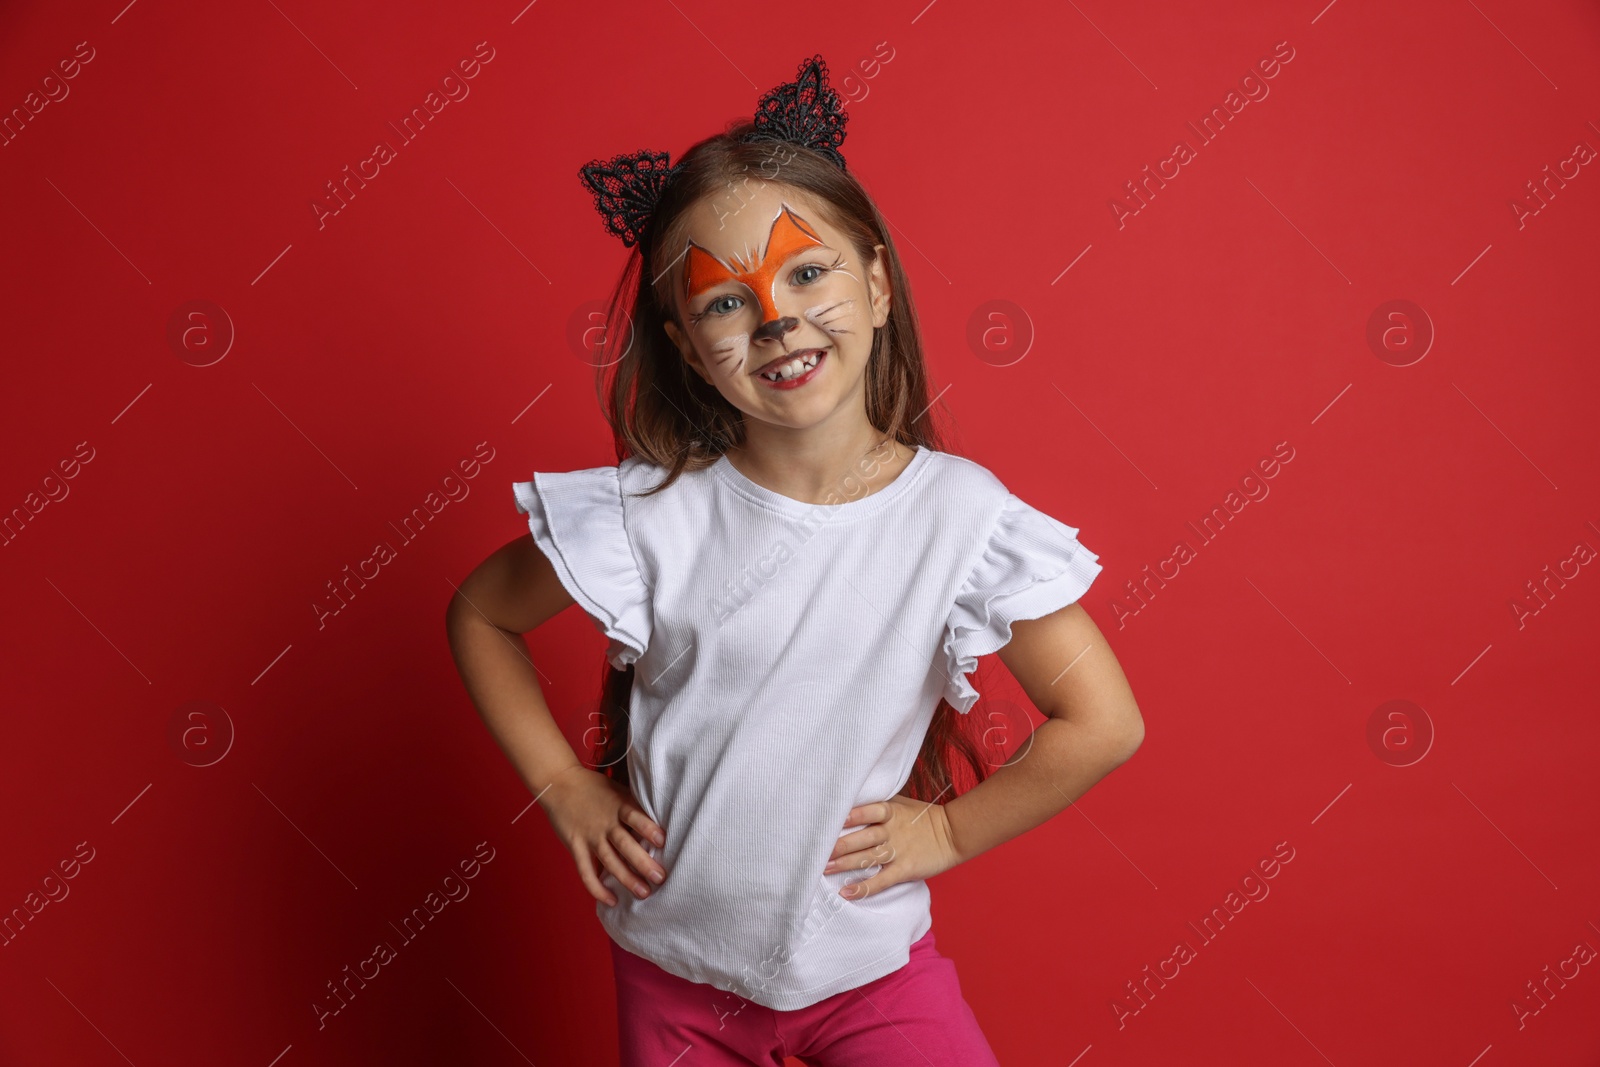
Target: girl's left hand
[[910, 838]]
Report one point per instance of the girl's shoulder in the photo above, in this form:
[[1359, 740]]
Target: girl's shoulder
[[640, 479], [951, 471], [1006, 522]]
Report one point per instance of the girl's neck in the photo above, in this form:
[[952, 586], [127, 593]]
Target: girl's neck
[[818, 473]]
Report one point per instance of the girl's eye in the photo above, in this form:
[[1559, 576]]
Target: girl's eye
[[726, 305]]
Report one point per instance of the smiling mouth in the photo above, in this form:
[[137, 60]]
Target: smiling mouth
[[791, 365]]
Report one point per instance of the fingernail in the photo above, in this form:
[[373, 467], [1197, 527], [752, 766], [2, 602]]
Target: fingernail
[[660, 840], [848, 891], [655, 876]]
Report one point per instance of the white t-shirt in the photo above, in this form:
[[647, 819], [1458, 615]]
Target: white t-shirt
[[788, 658]]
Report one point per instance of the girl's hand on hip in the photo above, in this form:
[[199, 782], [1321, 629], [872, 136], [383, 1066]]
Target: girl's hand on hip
[[910, 838], [596, 818]]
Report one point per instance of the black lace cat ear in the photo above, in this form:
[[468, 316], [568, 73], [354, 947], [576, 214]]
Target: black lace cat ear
[[626, 189], [805, 111]]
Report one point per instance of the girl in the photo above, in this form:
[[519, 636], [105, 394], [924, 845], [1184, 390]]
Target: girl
[[795, 581]]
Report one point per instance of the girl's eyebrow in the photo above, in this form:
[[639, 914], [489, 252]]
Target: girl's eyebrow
[[789, 232], [785, 259]]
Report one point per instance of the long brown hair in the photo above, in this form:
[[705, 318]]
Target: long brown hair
[[661, 411]]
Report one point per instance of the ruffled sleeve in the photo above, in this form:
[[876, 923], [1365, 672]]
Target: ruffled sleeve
[[576, 518], [1031, 565]]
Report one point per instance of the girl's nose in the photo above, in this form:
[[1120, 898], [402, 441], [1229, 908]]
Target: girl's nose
[[774, 328]]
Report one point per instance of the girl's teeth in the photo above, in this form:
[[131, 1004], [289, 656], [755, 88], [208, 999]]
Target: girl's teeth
[[793, 369]]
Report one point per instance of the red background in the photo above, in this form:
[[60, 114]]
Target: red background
[[429, 319]]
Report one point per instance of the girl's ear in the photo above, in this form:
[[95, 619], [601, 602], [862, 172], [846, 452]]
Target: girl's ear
[[685, 349], [878, 285], [676, 337]]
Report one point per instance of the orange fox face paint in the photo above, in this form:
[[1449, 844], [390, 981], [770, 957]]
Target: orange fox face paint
[[790, 234], [773, 278]]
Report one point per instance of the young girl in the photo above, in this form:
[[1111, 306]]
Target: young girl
[[795, 581]]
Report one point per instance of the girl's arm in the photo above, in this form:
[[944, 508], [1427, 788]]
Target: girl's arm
[[510, 593], [1092, 726], [513, 591]]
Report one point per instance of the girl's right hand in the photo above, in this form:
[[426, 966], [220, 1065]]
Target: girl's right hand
[[595, 818]]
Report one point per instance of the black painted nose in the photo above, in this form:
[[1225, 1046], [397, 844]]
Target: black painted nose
[[774, 329]]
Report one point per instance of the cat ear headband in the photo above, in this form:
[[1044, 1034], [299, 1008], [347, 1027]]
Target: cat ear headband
[[806, 111]]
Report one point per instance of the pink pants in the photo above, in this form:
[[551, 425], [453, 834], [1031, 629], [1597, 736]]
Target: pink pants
[[913, 1016]]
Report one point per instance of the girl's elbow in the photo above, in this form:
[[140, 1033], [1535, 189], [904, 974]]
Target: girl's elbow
[[1132, 734], [455, 610], [1134, 740]]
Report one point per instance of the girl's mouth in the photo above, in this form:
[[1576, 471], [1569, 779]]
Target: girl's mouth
[[802, 367]]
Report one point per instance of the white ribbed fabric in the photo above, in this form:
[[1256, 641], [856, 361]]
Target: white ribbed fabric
[[788, 658]]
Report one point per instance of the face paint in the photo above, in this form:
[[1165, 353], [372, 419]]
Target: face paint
[[730, 306], [831, 317], [790, 234], [734, 350]]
